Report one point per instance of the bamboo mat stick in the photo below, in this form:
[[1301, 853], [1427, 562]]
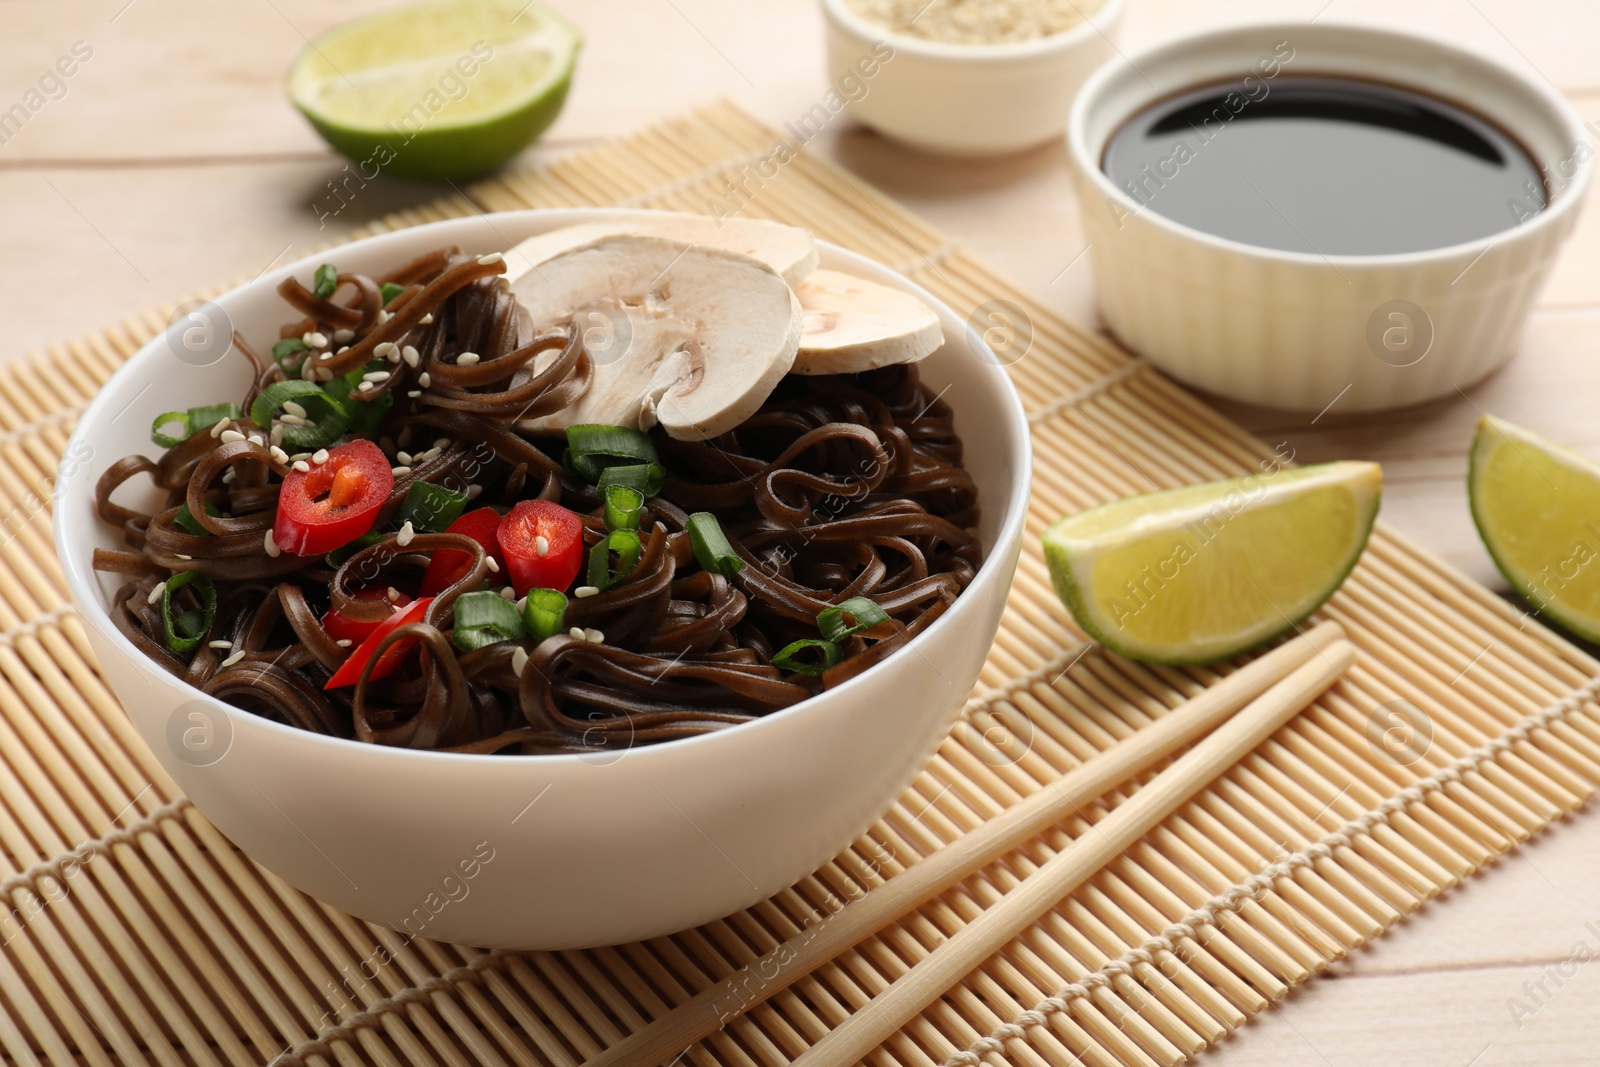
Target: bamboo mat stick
[[855, 922], [999, 925]]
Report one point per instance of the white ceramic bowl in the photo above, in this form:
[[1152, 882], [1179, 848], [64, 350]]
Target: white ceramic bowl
[[963, 99], [1293, 330], [546, 851]]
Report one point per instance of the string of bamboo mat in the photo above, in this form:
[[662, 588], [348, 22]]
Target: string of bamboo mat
[[166, 946]]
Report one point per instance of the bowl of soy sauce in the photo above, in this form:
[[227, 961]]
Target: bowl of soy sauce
[[1295, 215]]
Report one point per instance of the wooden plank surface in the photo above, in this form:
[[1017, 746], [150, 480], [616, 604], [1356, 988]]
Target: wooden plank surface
[[171, 161]]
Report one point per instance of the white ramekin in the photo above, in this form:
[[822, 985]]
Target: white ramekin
[[1297, 331], [543, 851], [961, 99]]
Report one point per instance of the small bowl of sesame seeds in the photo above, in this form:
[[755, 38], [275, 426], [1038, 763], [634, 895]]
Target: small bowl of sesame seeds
[[961, 77]]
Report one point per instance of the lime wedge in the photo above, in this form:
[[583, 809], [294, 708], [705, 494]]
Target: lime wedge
[[1202, 573], [439, 90], [1537, 508]]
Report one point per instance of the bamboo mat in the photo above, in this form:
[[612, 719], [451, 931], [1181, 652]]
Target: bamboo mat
[[134, 933]]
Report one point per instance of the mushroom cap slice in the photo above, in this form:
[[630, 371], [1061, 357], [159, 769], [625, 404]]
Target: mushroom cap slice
[[851, 324], [789, 250], [692, 337]]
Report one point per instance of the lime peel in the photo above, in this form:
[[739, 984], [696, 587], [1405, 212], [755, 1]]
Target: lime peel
[[1201, 573]]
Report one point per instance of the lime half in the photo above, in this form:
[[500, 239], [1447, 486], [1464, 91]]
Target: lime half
[[1202, 573], [439, 90], [1537, 508]]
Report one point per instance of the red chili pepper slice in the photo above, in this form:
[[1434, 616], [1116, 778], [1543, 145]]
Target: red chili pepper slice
[[349, 672], [334, 502], [447, 565], [536, 524], [343, 628]]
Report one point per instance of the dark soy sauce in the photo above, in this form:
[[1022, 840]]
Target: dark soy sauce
[[1324, 165]]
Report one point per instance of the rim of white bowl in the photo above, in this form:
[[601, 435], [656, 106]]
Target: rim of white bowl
[[1107, 13], [83, 585], [1177, 48]]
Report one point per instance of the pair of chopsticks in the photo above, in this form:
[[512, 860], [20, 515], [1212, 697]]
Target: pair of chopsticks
[[1231, 718]]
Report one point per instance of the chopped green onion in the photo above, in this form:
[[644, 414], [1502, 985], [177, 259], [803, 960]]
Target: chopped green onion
[[325, 281], [647, 478], [862, 613], [185, 520], [430, 508], [711, 546], [809, 656], [185, 632], [171, 418], [204, 418], [327, 418], [388, 291], [286, 348], [623, 505], [625, 543], [336, 558], [544, 613], [364, 414], [484, 619], [592, 447]]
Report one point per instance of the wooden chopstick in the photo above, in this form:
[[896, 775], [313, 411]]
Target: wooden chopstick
[[1064, 872], [822, 941]]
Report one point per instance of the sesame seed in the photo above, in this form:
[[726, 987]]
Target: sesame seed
[[405, 436], [426, 320], [429, 454], [473, 491], [342, 350], [156, 593], [270, 545], [320, 456], [276, 436], [315, 340], [366, 387], [403, 457], [400, 470], [392, 593], [576, 633], [230, 436], [383, 317], [413, 393], [299, 456], [466, 359], [324, 374], [258, 440], [407, 532], [182, 556], [302, 466], [411, 356], [376, 376], [228, 475], [343, 336], [386, 349], [594, 635], [494, 568], [292, 420], [235, 658], [278, 454], [509, 593], [307, 371], [491, 259], [441, 442], [586, 590], [541, 546], [294, 409], [425, 379], [216, 431], [519, 661], [344, 642], [219, 644]]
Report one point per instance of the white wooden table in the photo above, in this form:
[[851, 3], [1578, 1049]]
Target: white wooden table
[[171, 160]]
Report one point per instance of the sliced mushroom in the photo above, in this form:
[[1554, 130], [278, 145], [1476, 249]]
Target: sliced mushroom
[[851, 324], [692, 337], [789, 250]]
